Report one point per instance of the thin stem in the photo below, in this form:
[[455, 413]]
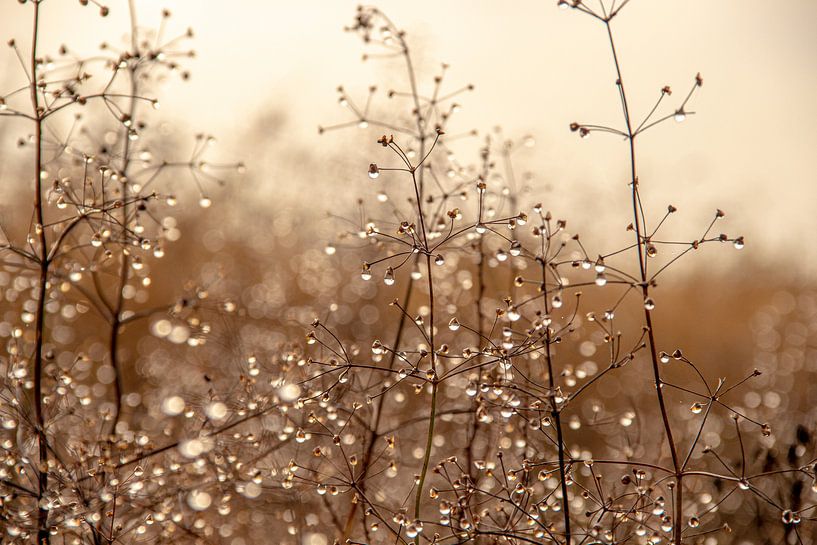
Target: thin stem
[[43, 535], [554, 408], [640, 244], [116, 321]]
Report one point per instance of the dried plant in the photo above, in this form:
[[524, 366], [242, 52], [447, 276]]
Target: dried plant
[[475, 418], [508, 382], [83, 463]]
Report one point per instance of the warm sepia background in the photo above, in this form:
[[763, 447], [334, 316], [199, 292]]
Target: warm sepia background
[[265, 78], [266, 73]]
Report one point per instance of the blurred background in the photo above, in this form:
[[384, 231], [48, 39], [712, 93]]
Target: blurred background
[[265, 75], [265, 78]]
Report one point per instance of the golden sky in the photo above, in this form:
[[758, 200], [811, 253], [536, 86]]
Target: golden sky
[[536, 68]]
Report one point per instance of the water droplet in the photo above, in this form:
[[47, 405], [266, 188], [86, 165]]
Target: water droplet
[[414, 529], [199, 500], [205, 202], [374, 172], [680, 115], [173, 405], [696, 408], [388, 278], [649, 304], [454, 324], [739, 243], [439, 260], [601, 280], [790, 517], [216, 410], [330, 250]]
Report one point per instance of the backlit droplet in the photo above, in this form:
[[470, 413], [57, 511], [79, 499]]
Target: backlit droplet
[[739, 243], [601, 280], [198, 500], [649, 304], [680, 115], [173, 405], [790, 517], [374, 172], [216, 410], [205, 202], [439, 260], [453, 325], [388, 278]]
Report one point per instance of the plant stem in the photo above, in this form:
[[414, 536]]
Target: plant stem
[[373, 433], [432, 417], [640, 245], [555, 412], [116, 315], [43, 535]]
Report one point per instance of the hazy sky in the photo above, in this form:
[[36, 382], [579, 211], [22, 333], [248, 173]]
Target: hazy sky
[[536, 68]]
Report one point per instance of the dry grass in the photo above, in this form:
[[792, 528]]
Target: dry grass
[[509, 381]]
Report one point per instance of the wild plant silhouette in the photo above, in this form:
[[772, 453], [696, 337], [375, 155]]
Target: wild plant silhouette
[[473, 370]]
